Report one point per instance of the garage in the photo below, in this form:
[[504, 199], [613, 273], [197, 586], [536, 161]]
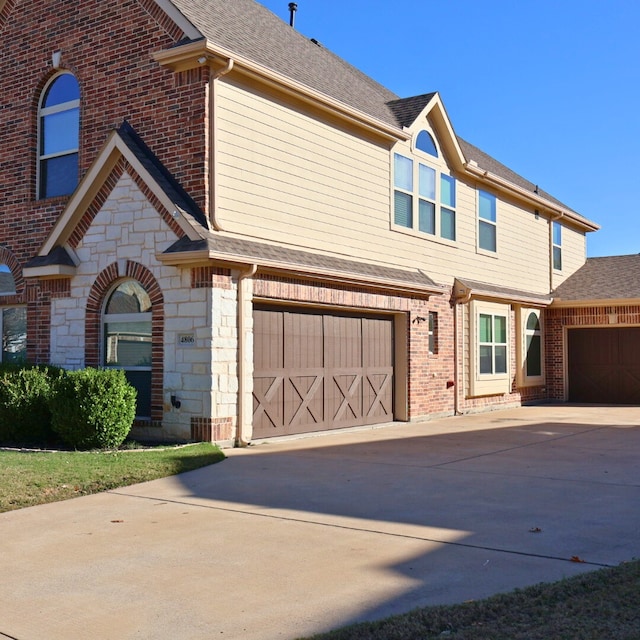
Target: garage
[[315, 370], [604, 365]]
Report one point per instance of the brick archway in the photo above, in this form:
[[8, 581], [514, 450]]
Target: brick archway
[[103, 284]]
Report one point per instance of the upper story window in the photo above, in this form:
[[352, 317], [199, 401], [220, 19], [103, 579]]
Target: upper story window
[[487, 221], [557, 246], [59, 135], [424, 196]]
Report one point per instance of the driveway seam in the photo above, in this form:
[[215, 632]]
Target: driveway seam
[[334, 525]]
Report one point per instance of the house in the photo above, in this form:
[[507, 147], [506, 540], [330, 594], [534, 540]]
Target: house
[[266, 240]]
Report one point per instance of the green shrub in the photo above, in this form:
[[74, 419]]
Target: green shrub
[[25, 391], [93, 408]]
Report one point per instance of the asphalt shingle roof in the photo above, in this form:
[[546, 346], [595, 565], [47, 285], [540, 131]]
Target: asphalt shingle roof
[[608, 278]]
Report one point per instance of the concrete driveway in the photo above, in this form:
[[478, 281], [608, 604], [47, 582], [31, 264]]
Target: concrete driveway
[[290, 538]]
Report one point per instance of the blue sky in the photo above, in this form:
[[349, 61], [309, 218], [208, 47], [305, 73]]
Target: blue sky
[[550, 88]]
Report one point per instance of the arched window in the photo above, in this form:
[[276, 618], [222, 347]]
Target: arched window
[[533, 344], [7, 281], [127, 338], [59, 135], [424, 142]]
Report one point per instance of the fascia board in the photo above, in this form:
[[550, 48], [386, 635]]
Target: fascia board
[[596, 302], [436, 112], [187, 56], [522, 194], [50, 271], [189, 30], [198, 258]]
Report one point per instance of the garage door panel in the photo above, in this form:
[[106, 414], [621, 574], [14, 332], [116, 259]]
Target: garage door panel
[[604, 365], [336, 371]]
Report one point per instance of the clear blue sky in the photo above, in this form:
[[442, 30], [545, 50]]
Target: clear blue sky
[[550, 88]]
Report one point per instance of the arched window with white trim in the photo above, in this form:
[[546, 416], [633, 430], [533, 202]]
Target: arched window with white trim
[[127, 338], [58, 137]]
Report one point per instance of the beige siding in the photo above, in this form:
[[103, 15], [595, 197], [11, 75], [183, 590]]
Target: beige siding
[[289, 177], [574, 251]]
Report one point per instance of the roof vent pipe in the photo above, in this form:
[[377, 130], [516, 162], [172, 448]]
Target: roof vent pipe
[[293, 7]]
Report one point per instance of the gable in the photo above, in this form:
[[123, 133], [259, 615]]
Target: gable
[[121, 157]]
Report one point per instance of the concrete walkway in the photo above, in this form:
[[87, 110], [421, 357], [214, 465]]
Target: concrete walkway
[[290, 538]]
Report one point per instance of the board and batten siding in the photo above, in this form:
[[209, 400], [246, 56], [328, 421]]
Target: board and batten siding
[[288, 176]]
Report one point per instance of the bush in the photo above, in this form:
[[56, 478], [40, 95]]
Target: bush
[[93, 408], [25, 392]]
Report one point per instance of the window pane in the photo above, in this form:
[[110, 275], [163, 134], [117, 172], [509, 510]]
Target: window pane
[[14, 335], [128, 344], [486, 236], [486, 333], [425, 143], [557, 233], [64, 89], [60, 132], [402, 209], [426, 216], [501, 359], [447, 190], [486, 359], [487, 206], [403, 172], [448, 223], [533, 322], [500, 325], [129, 297], [427, 179], [7, 283], [141, 382], [534, 356], [557, 258], [58, 176]]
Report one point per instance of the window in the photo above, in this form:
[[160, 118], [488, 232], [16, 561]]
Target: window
[[424, 198], [127, 339], [531, 348], [425, 142], [7, 282], [487, 221], [13, 328], [433, 332], [492, 341], [59, 134], [557, 246], [489, 344]]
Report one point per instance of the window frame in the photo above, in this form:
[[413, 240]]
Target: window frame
[[432, 330], [522, 316], [134, 318], [44, 112], [443, 210], [484, 222], [496, 382], [556, 246]]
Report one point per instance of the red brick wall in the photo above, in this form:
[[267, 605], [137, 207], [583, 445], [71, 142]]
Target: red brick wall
[[107, 44]]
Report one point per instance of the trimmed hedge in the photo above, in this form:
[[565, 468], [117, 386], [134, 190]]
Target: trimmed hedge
[[93, 408], [25, 392]]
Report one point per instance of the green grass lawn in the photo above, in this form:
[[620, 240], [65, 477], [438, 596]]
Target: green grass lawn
[[28, 478], [601, 605]]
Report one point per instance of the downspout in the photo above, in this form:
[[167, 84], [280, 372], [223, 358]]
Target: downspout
[[242, 350], [213, 152]]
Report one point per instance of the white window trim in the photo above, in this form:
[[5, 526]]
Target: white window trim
[[479, 219], [522, 379], [47, 111], [417, 158], [484, 384], [555, 246]]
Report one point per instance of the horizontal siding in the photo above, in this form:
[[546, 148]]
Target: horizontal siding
[[288, 177], [574, 251]]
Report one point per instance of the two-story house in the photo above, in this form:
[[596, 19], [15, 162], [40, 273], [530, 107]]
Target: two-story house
[[265, 239]]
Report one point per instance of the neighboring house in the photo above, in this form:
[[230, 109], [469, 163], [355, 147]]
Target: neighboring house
[[265, 239]]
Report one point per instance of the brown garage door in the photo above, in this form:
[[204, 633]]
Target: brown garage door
[[604, 365], [315, 371]]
